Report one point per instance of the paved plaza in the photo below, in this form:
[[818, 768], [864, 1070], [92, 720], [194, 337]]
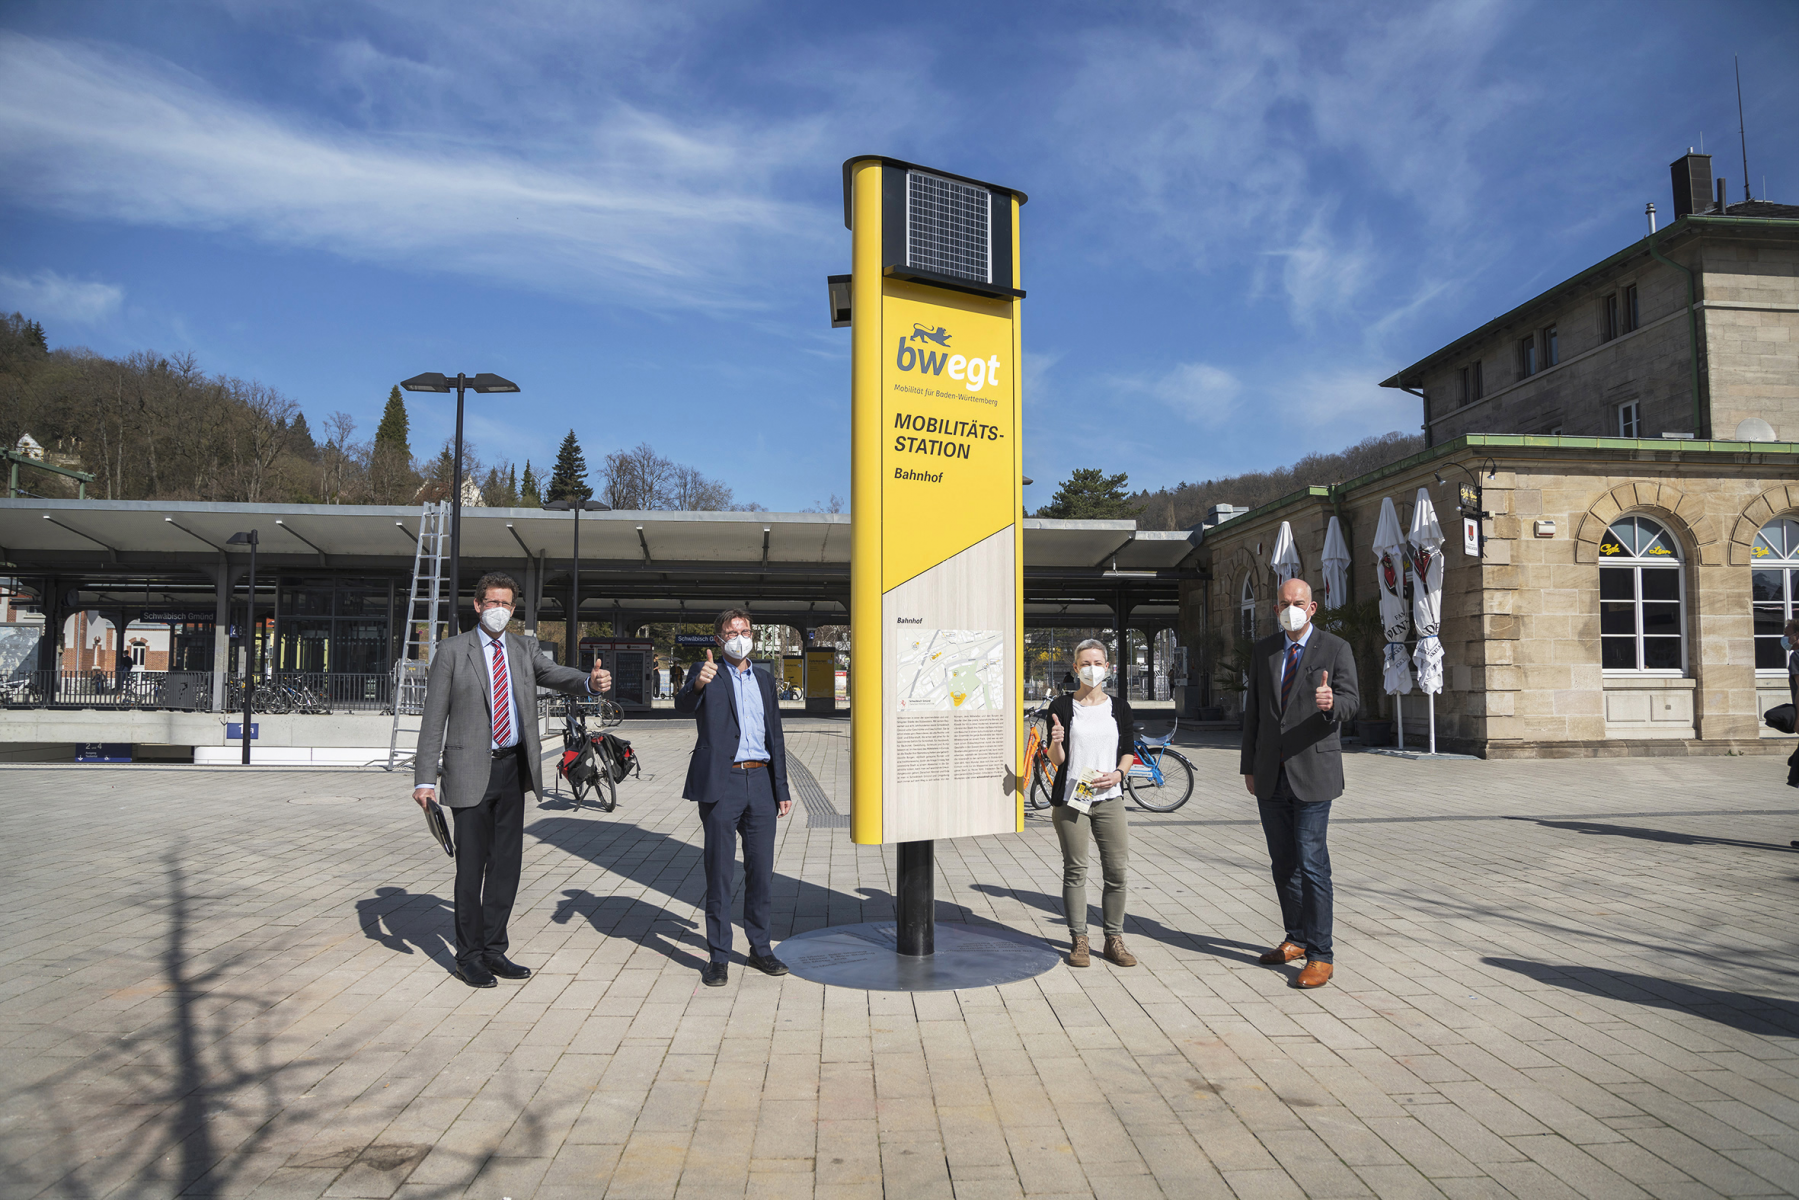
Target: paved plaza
[[1554, 979]]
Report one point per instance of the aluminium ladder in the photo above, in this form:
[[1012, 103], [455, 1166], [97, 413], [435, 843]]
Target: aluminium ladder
[[429, 562]]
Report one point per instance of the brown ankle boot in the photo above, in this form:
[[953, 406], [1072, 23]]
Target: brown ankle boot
[[1078, 957], [1116, 952]]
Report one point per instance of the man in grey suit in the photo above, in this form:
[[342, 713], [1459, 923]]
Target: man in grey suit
[[1302, 687], [480, 732]]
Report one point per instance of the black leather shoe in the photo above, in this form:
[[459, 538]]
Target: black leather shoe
[[476, 975], [714, 974], [505, 968], [768, 964]]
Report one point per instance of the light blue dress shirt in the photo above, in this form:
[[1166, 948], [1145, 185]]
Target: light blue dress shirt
[[752, 740]]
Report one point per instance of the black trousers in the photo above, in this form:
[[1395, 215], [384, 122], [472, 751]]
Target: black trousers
[[746, 810], [490, 848]]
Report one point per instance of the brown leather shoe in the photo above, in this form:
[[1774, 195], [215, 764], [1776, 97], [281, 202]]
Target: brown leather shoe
[[1315, 975], [1117, 954], [1286, 952], [1078, 957]]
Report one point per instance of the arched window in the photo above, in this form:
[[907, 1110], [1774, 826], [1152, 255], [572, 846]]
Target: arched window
[[1642, 618], [1774, 586], [1246, 609]]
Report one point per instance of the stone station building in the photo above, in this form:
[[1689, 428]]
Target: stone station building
[[1636, 439]]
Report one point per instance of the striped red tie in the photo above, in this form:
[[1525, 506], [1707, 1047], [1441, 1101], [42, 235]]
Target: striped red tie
[[1288, 675], [502, 698]]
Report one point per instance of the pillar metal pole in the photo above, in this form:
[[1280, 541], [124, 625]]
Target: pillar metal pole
[[462, 382], [221, 631], [917, 905], [249, 648]]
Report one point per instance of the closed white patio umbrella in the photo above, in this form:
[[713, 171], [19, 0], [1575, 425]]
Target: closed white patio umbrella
[[1286, 556], [1389, 574], [1426, 537], [1336, 567]]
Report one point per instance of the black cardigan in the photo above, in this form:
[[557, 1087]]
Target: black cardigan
[[1062, 708]]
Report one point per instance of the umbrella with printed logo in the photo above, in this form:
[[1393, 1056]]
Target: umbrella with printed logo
[[1389, 574], [1426, 538], [1286, 556], [1336, 567]]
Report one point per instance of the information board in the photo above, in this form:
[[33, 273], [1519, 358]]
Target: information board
[[936, 571]]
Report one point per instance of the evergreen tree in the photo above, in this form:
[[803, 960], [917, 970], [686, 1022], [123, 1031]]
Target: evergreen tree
[[569, 480], [1089, 495], [394, 432], [34, 334], [300, 438], [527, 489]]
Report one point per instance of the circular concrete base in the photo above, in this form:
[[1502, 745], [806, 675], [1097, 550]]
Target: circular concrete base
[[866, 956]]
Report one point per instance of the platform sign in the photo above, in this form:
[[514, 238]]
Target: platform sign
[[936, 571]]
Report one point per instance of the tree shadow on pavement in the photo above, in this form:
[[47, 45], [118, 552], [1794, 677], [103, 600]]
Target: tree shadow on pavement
[[412, 919], [191, 1055], [1644, 833], [1765, 1016], [1147, 927]]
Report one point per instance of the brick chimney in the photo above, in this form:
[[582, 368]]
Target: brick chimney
[[1692, 183]]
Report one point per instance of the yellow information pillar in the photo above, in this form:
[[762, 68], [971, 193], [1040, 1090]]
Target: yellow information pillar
[[936, 574]]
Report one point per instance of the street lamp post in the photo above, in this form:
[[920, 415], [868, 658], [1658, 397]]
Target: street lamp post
[[248, 539], [436, 381], [573, 632]]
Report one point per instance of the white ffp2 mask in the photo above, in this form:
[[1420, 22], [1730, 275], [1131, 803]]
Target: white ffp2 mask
[[738, 647], [495, 620], [1093, 675], [1293, 618]]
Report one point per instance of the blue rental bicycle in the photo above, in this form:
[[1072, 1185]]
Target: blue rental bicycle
[[1161, 780]]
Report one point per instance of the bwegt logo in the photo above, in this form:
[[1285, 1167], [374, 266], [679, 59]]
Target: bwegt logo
[[973, 373]]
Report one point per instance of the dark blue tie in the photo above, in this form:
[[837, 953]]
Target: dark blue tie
[[1292, 670]]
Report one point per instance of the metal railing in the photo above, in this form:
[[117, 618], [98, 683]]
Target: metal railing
[[191, 691]]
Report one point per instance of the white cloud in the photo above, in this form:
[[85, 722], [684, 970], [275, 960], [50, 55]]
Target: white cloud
[[49, 295], [1197, 391], [1219, 141], [646, 211], [1335, 407]]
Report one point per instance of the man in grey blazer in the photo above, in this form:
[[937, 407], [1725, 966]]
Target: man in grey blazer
[[1302, 687], [480, 734]]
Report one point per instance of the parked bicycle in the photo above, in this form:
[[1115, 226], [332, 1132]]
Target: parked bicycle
[[585, 764], [264, 697], [19, 692], [1040, 772], [303, 699], [1161, 779]]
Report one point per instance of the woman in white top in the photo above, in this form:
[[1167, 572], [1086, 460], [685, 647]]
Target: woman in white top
[[1090, 736]]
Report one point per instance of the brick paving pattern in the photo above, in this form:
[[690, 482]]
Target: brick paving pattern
[[1554, 979]]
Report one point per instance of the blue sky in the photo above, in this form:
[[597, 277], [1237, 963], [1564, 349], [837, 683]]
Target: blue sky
[[1242, 217]]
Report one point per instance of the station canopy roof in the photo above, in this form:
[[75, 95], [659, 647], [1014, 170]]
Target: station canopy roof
[[650, 563]]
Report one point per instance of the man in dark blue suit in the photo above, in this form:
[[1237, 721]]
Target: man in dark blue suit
[[738, 776]]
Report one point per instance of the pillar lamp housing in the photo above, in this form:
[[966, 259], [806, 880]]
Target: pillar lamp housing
[[839, 286]]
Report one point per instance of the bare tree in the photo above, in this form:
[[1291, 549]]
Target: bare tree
[[691, 491], [637, 479]]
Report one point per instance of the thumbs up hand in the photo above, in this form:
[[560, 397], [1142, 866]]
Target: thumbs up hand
[[707, 671], [600, 680], [1055, 730], [1323, 697]]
